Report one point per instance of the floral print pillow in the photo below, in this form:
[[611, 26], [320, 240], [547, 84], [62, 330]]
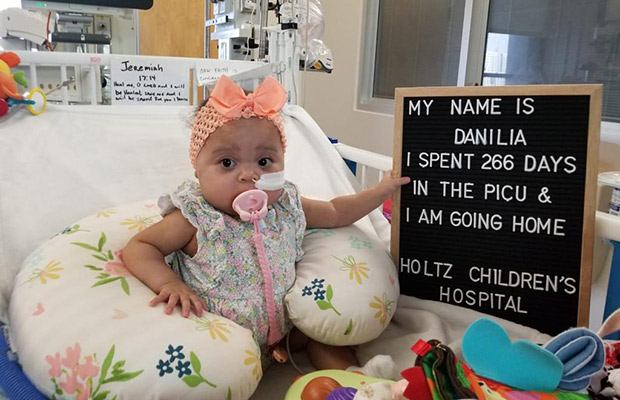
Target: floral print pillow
[[346, 287], [82, 327]]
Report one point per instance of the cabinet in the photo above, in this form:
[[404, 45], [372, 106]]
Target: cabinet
[[175, 29]]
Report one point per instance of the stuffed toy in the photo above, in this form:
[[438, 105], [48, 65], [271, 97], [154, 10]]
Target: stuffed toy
[[9, 95]]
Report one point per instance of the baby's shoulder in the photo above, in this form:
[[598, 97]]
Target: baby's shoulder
[[189, 194], [189, 200], [189, 189], [290, 199], [291, 189], [290, 193]]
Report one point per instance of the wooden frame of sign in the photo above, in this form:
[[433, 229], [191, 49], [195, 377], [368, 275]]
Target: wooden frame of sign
[[499, 215]]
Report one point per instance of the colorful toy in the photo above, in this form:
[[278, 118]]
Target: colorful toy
[[447, 377], [35, 100], [488, 350], [582, 354], [330, 384]]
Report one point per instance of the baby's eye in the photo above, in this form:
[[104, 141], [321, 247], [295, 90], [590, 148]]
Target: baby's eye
[[227, 162], [265, 162]]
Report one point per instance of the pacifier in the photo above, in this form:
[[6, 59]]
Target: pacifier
[[251, 205]]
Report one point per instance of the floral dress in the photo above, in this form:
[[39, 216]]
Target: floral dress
[[225, 271]]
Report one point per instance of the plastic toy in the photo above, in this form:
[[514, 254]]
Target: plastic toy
[[35, 100], [330, 384]]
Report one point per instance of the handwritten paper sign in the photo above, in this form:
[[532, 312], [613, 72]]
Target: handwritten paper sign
[[499, 216], [140, 80], [209, 70]]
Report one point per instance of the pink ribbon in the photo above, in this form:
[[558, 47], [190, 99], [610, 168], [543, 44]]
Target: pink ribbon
[[230, 100]]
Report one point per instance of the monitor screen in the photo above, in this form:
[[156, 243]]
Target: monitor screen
[[139, 4]]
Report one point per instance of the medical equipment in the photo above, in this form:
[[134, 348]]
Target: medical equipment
[[32, 26], [314, 54], [86, 25], [234, 23], [244, 33], [79, 29], [99, 7], [273, 181], [17, 24]]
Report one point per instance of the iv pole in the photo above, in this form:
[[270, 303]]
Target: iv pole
[[262, 22]]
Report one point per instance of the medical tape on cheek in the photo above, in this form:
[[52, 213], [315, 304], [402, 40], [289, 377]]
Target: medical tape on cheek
[[273, 181]]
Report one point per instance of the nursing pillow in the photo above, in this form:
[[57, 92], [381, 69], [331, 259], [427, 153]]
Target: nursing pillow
[[82, 327], [346, 287]]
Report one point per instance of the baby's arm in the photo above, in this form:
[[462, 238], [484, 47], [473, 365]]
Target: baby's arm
[[144, 258], [345, 210]]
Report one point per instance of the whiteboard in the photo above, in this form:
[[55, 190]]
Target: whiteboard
[[142, 80], [210, 69]]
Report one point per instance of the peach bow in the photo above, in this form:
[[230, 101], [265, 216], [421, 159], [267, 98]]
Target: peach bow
[[229, 99]]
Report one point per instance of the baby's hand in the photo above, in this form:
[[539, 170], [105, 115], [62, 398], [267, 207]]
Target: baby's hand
[[179, 292], [389, 183]]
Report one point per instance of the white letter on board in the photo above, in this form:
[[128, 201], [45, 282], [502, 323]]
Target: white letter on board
[[415, 107]]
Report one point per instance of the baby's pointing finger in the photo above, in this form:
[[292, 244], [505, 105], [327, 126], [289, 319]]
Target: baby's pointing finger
[[404, 180]]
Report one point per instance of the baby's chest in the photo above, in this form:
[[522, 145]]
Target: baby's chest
[[235, 252]]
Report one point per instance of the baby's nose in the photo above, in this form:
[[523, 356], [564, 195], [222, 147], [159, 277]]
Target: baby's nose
[[248, 175]]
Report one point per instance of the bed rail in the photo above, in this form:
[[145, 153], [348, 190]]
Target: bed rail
[[367, 161], [607, 226], [90, 67], [34, 60]]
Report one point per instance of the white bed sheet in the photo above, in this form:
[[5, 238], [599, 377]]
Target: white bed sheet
[[72, 161]]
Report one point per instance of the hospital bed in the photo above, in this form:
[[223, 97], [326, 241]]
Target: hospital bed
[[76, 160]]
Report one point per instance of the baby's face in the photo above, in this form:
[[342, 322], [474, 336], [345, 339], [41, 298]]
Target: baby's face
[[236, 155]]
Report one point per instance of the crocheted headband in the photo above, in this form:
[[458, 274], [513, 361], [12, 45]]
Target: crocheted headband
[[229, 102]]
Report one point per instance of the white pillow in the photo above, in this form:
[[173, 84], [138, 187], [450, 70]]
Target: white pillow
[[346, 288], [81, 324]]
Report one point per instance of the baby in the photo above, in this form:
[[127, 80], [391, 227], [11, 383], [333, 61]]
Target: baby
[[236, 139]]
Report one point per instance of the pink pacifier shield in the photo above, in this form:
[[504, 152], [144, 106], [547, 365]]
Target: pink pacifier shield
[[253, 201]]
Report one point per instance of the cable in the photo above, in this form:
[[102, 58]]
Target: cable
[[290, 355], [47, 31]]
